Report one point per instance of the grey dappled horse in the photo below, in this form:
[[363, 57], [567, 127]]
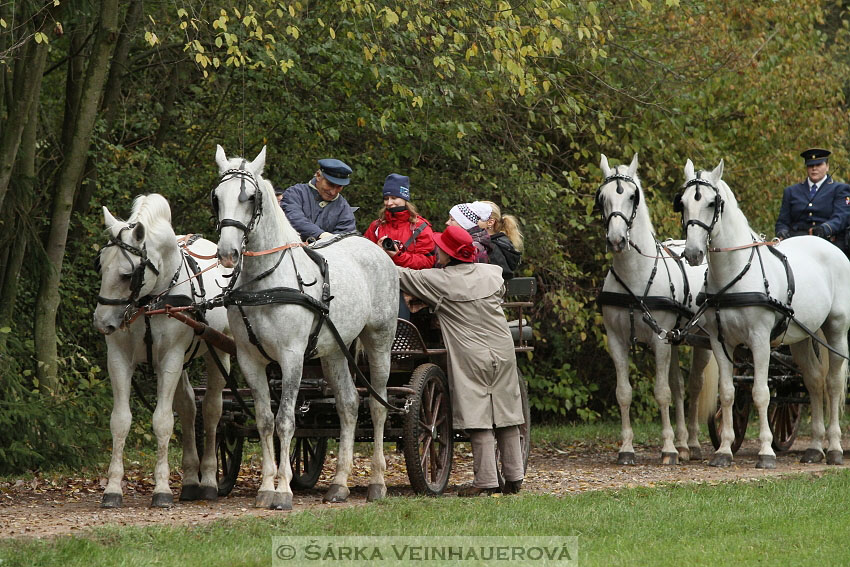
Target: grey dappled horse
[[142, 261], [642, 265], [364, 285], [739, 262]]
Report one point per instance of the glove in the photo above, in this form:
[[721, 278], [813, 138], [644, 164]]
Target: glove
[[325, 235], [782, 234], [819, 230]]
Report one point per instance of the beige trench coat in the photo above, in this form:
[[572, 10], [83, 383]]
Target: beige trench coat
[[482, 365]]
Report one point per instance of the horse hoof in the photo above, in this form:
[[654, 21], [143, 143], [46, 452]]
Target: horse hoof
[[721, 460], [626, 458], [335, 494], [812, 456], [835, 457], [376, 492], [684, 454], [265, 499], [282, 501], [696, 453], [162, 500], [766, 462], [208, 493], [111, 500], [669, 458], [190, 492]]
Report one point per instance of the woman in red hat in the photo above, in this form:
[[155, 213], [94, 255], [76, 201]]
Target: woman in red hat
[[466, 298]]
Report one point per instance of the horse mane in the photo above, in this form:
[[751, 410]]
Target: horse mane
[[154, 212], [289, 234]]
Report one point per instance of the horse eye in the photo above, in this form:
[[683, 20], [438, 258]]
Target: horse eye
[[711, 204], [125, 277], [632, 197]]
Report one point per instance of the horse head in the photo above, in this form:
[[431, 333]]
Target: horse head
[[701, 202], [237, 203], [129, 268], [619, 199]]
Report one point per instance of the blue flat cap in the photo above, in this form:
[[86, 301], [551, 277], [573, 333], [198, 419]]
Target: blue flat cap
[[335, 171], [814, 156]]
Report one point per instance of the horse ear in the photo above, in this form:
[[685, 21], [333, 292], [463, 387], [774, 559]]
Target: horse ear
[[633, 166], [603, 165], [220, 158], [689, 170], [108, 219], [139, 232], [718, 172], [259, 162]]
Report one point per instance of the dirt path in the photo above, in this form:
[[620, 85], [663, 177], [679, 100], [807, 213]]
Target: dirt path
[[41, 508]]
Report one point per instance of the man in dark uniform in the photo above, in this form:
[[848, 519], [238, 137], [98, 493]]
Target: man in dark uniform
[[316, 209], [818, 206]]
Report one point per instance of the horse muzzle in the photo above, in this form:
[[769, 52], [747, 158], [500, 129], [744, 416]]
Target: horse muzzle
[[228, 259]]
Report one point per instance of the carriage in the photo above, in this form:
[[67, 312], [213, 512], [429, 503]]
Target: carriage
[[418, 382]]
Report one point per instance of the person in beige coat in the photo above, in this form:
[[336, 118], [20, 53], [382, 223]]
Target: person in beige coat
[[466, 297]]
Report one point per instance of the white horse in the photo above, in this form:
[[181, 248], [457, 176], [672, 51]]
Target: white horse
[[142, 261], [739, 262], [644, 274], [364, 284]]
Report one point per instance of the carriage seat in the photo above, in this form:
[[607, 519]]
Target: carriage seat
[[518, 292]]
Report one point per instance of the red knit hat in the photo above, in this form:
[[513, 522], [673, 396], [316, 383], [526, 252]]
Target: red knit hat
[[457, 243]]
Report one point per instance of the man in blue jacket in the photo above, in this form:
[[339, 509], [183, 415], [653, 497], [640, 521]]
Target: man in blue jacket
[[818, 206], [316, 209]]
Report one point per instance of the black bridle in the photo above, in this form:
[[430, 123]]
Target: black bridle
[[137, 278], [679, 207], [618, 177]]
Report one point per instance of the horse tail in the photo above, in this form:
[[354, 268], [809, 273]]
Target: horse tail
[[707, 401]]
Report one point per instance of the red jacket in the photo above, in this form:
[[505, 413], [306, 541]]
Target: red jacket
[[420, 254]]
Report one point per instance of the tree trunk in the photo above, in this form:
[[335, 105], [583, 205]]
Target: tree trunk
[[24, 195], [26, 86], [74, 81], [118, 68], [47, 300]]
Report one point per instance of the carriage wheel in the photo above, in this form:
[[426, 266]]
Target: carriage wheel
[[784, 421], [524, 432], [229, 455], [740, 417], [428, 434], [306, 457]]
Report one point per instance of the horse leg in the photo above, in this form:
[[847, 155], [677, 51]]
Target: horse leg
[[813, 378], [669, 454], [620, 355], [211, 409], [184, 405], [378, 349], [723, 455], [836, 387], [120, 375], [699, 362], [347, 401], [253, 367], [292, 368], [169, 370], [677, 387], [761, 399]]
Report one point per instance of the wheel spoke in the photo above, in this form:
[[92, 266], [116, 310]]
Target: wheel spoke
[[425, 451]]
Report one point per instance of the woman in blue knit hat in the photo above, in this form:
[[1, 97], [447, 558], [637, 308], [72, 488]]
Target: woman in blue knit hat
[[405, 236]]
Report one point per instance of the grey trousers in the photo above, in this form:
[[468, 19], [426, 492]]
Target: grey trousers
[[484, 455]]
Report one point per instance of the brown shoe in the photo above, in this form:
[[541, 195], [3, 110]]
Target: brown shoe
[[512, 486], [469, 490]]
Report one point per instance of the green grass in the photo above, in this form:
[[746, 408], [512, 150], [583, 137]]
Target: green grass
[[791, 521]]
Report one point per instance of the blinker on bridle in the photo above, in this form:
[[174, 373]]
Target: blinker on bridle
[[718, 203], [618, 177], [137, 278]]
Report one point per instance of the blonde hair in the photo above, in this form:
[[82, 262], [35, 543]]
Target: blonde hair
[[507, 224]]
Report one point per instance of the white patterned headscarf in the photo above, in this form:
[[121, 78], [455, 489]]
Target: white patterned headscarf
[[468, 215]]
